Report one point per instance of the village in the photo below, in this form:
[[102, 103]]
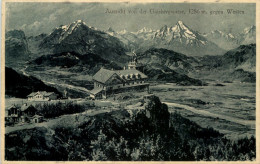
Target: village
[[111, 89]]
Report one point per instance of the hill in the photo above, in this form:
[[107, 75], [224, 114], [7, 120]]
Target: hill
[[169, 66], [73, 62], [19, 85], [238, 64], [150, 134]]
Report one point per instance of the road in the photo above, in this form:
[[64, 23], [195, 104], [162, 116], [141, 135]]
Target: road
[[250, 123], [54, 121], [49, 123], [77, 88], [23, 71]]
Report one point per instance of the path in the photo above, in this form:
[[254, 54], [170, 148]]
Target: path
[[53, 121], [23, 71], [250, 123], [77, 88], [82, 89]]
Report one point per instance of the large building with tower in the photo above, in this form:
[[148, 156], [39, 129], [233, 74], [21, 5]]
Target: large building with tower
[[110, 82]]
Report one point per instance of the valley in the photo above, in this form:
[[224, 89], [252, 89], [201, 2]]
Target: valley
[[201, 96], [232, 113]]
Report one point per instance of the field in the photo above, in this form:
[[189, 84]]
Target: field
[[227, 107]]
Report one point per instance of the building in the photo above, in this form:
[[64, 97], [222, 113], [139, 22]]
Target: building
[[37, 119], [20, 114], [109, 82], [26, 112], [12, 114], [42, 96]]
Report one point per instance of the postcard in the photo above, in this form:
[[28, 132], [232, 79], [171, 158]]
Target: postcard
[[125, 81]]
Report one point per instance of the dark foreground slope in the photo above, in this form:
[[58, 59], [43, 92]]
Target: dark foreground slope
[[19, 85], [147, 134]]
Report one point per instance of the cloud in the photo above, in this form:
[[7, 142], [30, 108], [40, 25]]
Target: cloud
[[37, 18], [45, 23], [34, 25]]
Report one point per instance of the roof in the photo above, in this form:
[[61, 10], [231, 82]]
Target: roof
[[37, 116], [12, 106], [25, 107], [44, 93], [129, 72], [96, 91], [103, 75]]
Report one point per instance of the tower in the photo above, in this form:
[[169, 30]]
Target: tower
[[132, 64]]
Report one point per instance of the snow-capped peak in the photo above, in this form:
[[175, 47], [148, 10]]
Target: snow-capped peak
[[65, 30], [69, 28], [144, 30], [217, 32], [122, 32], [231, 36], [79, 21], [64, 27], [164, 28], [183, 30], [249, 29], [181, 25]]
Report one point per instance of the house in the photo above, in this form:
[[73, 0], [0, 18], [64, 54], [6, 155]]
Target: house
[[26, 112], [20, 114], [12, 114], [109, 82], [42, 96], [36, 119]]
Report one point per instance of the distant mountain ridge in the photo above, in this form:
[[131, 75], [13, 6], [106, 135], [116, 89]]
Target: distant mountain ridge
[[179, 38], [182, 39], [73, 53], [16, 47], [238, 64], [112, 45], [230, 41]]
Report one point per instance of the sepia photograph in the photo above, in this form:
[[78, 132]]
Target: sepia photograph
[[128, 81]]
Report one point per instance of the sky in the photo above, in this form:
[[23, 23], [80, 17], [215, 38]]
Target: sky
[[36, 18]]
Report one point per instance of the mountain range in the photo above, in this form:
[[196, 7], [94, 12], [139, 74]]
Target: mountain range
[[175, 54], [180, 38], [229, 41], [111, 45], [16, 47]]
